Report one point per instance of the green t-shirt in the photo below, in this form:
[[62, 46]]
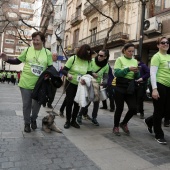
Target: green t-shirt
[[104, 70], [163, 64], [123, 62], [15, 75], [0, 75], [36, 61], [8, 75], [78, 67]]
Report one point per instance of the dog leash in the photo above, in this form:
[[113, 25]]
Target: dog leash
[[52, 111]]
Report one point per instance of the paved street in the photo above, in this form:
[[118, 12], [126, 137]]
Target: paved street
[[87, 148]]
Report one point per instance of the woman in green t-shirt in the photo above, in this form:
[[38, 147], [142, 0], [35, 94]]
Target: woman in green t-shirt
[[125, 71], [100, 69], [76, 66], [36, 59], [160, 81]]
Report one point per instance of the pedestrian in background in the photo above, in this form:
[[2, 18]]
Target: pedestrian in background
[[36, 59], [142, 85], [125, 72], [110, 92], [160, 81]]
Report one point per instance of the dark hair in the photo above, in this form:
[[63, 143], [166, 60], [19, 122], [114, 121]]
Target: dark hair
[[126, 46], [106, 52], [160, 39], [85, 52], [137, 57], [42, 36]]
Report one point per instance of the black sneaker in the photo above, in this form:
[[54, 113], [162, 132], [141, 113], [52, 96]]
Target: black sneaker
[[75, 124], [67, 125], [161, 141], [33, 124], [61, 114], [27, 128], [94, 121], [149, 128], [79, 120], [125, 128], [166, 123], [86, 117]]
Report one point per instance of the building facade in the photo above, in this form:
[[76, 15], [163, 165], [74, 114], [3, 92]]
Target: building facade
[[16, 34]]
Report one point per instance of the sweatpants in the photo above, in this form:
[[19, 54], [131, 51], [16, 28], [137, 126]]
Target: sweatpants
[[30, 106]]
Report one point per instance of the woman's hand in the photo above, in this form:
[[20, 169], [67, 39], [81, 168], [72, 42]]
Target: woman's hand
[[94, 75], [70, 77], [3, 56], [155, 94], [134, 69], [82, 82]]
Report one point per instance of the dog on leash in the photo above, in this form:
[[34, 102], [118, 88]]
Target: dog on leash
[[48, 124]]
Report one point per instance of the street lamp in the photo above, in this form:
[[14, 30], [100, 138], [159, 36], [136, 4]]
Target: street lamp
[[142, 26]]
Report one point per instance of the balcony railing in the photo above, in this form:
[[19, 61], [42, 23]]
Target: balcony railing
[[75, 18], [89, 9], [120, 31]]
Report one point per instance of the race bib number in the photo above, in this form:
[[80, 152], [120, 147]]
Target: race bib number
[[36, 69]]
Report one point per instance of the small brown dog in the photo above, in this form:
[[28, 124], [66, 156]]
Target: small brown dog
[[48, 124]]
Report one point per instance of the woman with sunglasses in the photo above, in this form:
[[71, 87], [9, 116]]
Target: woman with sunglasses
[[126, 71], [100, 69], [160, 82]]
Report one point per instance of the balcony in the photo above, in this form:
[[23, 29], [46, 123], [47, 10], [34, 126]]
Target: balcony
[[75, 18], [119, 32], [89, 9]]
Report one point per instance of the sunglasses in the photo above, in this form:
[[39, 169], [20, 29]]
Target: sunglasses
[[164, 42], [101, 55]]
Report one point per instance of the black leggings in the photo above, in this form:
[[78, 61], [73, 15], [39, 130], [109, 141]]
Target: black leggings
[[161, 110], [70, 95], [120, 98]]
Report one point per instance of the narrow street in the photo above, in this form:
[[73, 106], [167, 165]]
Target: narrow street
[[86, 148]]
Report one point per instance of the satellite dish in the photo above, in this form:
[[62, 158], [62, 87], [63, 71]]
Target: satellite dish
[[146, 24]]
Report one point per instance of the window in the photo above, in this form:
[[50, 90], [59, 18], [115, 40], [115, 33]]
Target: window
[[13, 6], [93, 34], [10, 32], [20, 49], [66, 42], [9, 50], [93, 29], [20, 42], [9, 41], [12, 15], [161, 5], [26, 5]]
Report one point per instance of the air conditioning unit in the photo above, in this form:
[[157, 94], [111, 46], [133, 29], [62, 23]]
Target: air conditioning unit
[[152, 25]]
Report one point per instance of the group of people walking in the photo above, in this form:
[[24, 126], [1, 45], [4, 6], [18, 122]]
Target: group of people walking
[[86, 75], [9, 76]]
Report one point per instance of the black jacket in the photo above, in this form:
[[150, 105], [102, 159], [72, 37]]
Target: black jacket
[[43, 88]]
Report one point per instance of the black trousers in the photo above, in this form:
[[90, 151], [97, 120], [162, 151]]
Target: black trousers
[[120, 98], [84, 110], [140, 95], [110, 92], [161, 110], [70, 95]]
